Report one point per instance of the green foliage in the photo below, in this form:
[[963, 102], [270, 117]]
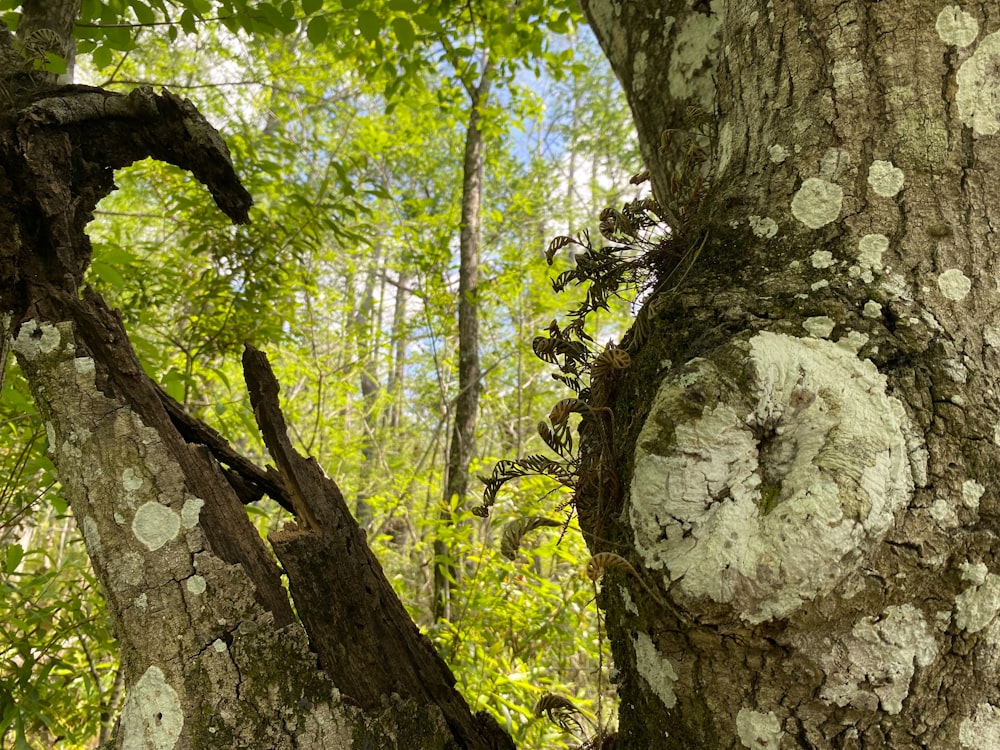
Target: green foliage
[[57, 655], [351, 144]]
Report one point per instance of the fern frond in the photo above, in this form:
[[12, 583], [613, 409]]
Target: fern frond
[[603, 561], [559, 710], [514, 531]]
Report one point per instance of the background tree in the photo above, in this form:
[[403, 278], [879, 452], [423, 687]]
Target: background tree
[[805, 452]]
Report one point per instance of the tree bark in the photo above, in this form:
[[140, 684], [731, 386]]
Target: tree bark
[[808, 432], [212, 654]]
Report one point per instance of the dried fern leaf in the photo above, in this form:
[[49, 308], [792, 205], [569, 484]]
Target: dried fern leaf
[[559, 710], [603, 561], [514, 531]]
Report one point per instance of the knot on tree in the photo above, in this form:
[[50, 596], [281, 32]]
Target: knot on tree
[[764, 473]]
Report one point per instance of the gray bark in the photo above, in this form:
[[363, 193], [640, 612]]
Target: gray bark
[[808, 434]]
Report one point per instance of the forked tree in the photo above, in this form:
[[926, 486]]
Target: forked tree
[[791, 458]]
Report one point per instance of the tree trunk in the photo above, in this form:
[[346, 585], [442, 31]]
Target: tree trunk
[[212, 654], [463, 434], [808, 432]]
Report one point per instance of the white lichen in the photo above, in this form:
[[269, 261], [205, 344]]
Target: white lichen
[[152, 718], [817, 202], [976, 607], [974, 573], [981, 730], [639, 72], [870, 249], [873, 667], [954, 284], [763, 226], [655, 669], [696, 46], [91, 534], [820, 326], [972, 491], [872, 309], [35, 339], [885, 178], [821, 259], [219, 645], [812, 421], [191, 512], [817, 285], [758, 730], [196, 584], [778, 153], [956, 27], [978, 95], [155, 524]]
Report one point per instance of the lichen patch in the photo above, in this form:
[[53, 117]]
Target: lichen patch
[[655, 669], [821, 259], [885, 178], [976, 607], [152, 718], [696, 47], [978, 95], [956, 27], [817, 202], [971, 492], [758, 730], [954, 284], [981, 730], [873, 666], [870, 249], [763, 226], [155, 524], [820, 326], [36, 339], [762, 475]]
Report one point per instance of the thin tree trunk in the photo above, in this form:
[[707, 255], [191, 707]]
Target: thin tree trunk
[[365, 346], [462, 446]]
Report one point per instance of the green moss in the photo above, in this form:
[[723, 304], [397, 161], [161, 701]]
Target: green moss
[[769, 494]]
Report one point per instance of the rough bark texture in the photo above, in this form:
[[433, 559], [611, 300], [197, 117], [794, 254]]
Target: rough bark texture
[[212, 654], [809, 431]]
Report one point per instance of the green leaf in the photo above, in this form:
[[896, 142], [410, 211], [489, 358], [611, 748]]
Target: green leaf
[[428, 22], [143, 13], [54, 63], [187, 22], [403, 6], [311, 6], [370, 24], [102, 57], [317, 29], [405, 33], [13, 555]]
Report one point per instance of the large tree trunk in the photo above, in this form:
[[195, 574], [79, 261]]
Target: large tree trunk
[[808, 432], [212, 654]]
